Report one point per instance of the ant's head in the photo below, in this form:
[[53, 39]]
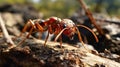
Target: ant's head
[[69, 24]]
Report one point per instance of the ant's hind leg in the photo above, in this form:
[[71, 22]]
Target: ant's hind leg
[[26, 37], [27, 34], [25, 28]]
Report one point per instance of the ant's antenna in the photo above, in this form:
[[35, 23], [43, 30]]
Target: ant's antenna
[[90, 31]]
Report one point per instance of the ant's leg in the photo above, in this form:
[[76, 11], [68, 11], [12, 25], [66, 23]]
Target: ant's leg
[[80, 38], [30, 32], [46, 39], [40, 29], [60, 34], [60, 41], [39, 35], [27, 35], [49, 32], [24, 29]]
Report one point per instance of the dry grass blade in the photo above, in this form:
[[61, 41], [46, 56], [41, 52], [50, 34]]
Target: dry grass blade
[[89, 14], [5, 34]]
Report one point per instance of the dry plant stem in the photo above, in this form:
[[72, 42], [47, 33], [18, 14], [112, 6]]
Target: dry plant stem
[[109, 21], [89, 14], [5, 33]]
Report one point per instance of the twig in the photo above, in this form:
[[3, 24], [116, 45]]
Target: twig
[[109, 21], [89, 14], [5, 34]]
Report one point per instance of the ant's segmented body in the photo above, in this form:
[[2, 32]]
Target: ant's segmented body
[[55, 26]]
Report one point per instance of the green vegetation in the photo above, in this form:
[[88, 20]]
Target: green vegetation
[[60, 8], [14, 1], [65, 8], [112, 7]]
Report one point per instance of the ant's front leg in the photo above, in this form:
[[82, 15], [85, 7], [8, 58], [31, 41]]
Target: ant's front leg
[[60, 38], [80, 39], [59, 35], [79, 36]]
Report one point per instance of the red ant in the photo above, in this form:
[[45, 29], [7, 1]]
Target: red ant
[[55, 26]]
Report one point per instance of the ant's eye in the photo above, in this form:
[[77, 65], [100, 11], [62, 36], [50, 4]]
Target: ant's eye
[[64, 26], [41, 21]]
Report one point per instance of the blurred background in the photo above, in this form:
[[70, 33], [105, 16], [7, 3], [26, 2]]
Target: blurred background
[[66, 8]]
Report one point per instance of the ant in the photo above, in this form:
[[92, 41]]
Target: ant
[[56, 26]]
